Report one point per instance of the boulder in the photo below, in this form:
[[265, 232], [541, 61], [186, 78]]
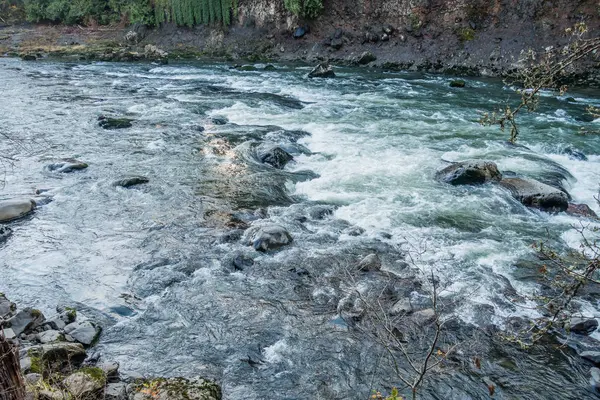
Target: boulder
[[49, 336], [536, 194], [28, 57], [457, 83], [7, 307], [85, 332], [299, 32], [581, 210], [114, 123], [593, 356], [15, 209], [268, 237], [110, 369], [115, 391], [366, 58], [219, 120], [276, 157], [370, 263], [470, 173], [5, 233], [131, 181], [583, 326], [323, 70], [175, 389], [320, 212], [86, 384], [9, 333], [67, 165], [25, 320], [152, 52], [56, 357]]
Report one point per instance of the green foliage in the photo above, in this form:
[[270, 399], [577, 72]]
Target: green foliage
[[465, 34], [305, 8], [194, 12]]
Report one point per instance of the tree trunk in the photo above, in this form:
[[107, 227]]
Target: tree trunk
[[11, 381]]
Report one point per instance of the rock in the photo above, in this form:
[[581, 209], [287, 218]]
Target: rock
[[321, 212], [28, 57], [25, 320], [299, 33], [110, 369], [85, 384], [457, 83], [366, 58], [56, 357], [336, 43], [583, 326], [32, 379], [595, 378], [154, 53], [370, 263], [387, 29], [593, 356], [536, 194], [5, 233], [49, 336], [322, 70], [581, 210], [268, 237], [114, 123], [354, 231], [115, 391], [7, 307], [401, 307], [9, 333], [15, 209], [241, 262], [85, 333], [56, 323], [246, 68], [470, 173], [270, 67], [52, 394], [176, 389], [219, 120], [424, 315], [67, 165], [131, 181], [575, 154], [276, 157], [25, 364], [131, 37]]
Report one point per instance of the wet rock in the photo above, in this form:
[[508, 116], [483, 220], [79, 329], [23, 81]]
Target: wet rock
[[176, 389], [85, 332], [246, 68], [269, 237], [219, 120], [56, 357], [323, 70], [401, 307], [536, 194], [115, 391], [299, 32], [110, 369], [581, 210], [321, 212], [457, 83], [354, 231], [7, 307], [270, 67], [49, 336], [67, 165], [240, 262], [366, 58], [26, 320], [86, 384], [370, 263], [131, 181], [28, 57], [595, 378], [593, 356], [276, 157], [583, 326], [5, 233], [575, 154], [470, 173], [114, 123], [15, 209]]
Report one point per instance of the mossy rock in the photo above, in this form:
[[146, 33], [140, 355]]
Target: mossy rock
[[458, 83], [465, 34], [114, 123], [56, 357], [176, 389], [269, 67]]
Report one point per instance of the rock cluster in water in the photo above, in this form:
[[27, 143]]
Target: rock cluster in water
[[56, 365]]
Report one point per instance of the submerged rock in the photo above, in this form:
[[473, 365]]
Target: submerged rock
[[536, 194], [131, 181], [575, 154], [67, 165], [114, 123], [276, 157], [176, 389], [323, 70], [470, 173], [457, 83], [583, 326], [581, 210], [14, 209], [5, 233], [269, 237]]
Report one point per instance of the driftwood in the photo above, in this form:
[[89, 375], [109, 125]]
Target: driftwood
[[11, 381]]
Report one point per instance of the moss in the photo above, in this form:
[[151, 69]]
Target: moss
[[35, 313], [71, 313], [465, 34], [36, 363], [95, 373]]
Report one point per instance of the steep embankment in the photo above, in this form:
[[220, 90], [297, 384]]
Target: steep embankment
[[460, 36]]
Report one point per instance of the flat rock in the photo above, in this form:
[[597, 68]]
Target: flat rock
[[9, 333], [25, 320], [536, 194], [16, 208], [583, 326], [84, 385], [67, 165], [177, 389], [322, 70], [85, 333], [114, 123], [470, 173], [49, 336], [131, 181], [268, 237]]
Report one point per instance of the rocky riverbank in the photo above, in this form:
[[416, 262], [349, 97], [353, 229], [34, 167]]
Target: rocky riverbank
[[58, 361]]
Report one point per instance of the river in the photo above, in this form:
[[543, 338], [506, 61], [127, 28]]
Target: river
[[155, 262]]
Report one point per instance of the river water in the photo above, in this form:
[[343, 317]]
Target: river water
[[154, 263]]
